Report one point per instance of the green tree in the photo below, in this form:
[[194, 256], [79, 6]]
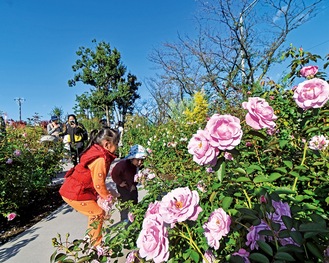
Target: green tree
[[57, 111], [113, 91]]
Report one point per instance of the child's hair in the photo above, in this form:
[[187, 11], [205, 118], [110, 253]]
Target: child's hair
[[106, 133]]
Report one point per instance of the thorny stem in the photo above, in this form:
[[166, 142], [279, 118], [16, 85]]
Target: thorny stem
[[302, 163], [191, 242], [248, 198]]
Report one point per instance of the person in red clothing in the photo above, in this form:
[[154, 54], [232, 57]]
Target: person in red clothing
[[123, 174], [84, 187]]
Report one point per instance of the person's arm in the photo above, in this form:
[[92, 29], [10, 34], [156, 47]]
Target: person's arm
[[116, 175], [50, 129], [98, 175]]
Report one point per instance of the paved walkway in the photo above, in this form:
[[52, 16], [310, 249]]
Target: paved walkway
[[35, 246]]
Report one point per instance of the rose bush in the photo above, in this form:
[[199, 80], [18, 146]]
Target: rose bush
[[267, 202], [28, 167]]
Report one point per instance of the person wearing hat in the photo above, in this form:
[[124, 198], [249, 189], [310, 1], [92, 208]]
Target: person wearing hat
[[123, 174], [53, 127]]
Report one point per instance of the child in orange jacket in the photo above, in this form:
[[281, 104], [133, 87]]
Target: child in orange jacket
[[84, 188]]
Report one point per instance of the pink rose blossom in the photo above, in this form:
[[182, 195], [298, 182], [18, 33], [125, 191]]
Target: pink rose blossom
[[244, 254], [153, 240], [318, 142], [9, 161], [312, 93], [153, 209], [131, 217], [309, 71], [209, 257], [132, 257], [17, 152], [179, 205], [225, 131], [11, 216], [203, 152], [218, 225], [209, 170], [149, 150], [260, 114], [228, 156], [248, 144], [201, 187], [100, 251], [24, 134]]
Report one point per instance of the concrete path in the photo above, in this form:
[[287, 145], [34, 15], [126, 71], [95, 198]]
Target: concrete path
[[35, 244]]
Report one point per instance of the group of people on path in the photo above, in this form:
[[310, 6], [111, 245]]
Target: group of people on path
[[84, 187], [73, 133]]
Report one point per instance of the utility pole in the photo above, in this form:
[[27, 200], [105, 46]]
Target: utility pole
[[20, 101]]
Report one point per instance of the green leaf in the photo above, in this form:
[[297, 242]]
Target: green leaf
[[274, 176], [293, 173], [243, 179], [257, 257], [265, 247], [309, 192], [284, 190], [240, 171], [227, 201], [221, 171], [281, 169], [260, 179], [313, 227], [212, 197], [314, 250], [312, 129], [253, 168], [288, 222], [284, 256], [288, 164], [297, 237], [283, 143], [195, 256]]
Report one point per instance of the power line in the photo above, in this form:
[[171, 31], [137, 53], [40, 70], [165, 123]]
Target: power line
[[319, 44]]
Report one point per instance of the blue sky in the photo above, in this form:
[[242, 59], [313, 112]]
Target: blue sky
[[39, 39]]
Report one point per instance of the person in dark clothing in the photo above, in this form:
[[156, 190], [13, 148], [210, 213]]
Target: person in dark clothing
[[77, 136], [123, 174]]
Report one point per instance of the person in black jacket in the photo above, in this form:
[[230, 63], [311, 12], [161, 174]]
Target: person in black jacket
[[77, 136]]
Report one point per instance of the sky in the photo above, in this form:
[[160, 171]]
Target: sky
[[39, 40]]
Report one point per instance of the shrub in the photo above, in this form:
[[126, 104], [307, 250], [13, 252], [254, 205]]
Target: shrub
[[232, 189]]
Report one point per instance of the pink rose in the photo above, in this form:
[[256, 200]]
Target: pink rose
[[209, 257], [153, 208], [228, 156], [11, 216], [318, 142], [179, 205], [132, 257], [309, 71], [218, 225], [131, 217], [225, 131], [203, 152], [260, 113], [153, 240], [17, 152], [312, 93]]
